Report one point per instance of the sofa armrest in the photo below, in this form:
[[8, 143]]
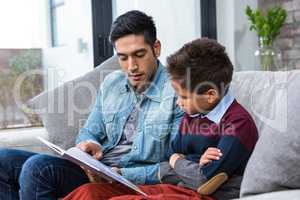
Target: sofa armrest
[[25, 139], [212, 184]]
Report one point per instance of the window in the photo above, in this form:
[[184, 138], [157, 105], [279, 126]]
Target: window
[[48, 52], [58, 31], [20, 60]]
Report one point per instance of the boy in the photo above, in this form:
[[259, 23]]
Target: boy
[[214, 126]]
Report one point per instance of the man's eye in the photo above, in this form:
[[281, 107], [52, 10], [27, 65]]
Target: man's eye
[[123, 58], [140, 55]]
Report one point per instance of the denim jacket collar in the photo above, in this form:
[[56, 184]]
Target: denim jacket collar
[[153, 91]]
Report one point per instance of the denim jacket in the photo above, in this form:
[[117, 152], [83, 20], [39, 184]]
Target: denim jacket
[[158, 123]]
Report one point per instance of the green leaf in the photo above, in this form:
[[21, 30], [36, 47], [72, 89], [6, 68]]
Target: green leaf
[[266, 25]]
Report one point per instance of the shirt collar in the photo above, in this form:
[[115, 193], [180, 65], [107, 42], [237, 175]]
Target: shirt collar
[[219, 110], [153, 92]]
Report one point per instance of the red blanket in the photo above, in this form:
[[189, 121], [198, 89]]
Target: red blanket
[[94, 191]]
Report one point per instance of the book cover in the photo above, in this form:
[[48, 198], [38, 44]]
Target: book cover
[[86, 161]]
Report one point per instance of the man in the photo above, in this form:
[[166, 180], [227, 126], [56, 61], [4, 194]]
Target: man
[[129, 128]]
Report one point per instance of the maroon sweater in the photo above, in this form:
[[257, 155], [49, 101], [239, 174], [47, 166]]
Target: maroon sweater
[[235, 136]]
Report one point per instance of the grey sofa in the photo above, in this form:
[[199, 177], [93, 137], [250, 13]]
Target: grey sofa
[[273, 171]]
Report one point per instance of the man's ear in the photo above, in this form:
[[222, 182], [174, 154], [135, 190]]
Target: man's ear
[[157, 48], [213, 95]]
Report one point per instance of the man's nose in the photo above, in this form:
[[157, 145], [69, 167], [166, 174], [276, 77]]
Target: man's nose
[[132, 65]]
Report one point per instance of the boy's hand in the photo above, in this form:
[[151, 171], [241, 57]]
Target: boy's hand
[[174, 158], [209, 155]]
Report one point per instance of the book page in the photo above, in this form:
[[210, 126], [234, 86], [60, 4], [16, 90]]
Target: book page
[[52, 146]]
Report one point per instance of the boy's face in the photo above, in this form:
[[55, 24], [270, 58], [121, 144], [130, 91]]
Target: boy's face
[[137, 59], [193, 103]]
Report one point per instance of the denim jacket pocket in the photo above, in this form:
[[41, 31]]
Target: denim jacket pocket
[[109, 125], [108, 118], [157, 135], [158, 130]]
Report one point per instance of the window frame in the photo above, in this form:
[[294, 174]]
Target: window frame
[[54, 34], [102, 20], [208, 19]]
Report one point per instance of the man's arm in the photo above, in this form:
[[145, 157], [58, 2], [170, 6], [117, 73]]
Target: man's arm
[[147, 174], [175, 136], [94, 128]]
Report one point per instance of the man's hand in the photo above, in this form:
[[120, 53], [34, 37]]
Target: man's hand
[[174, 158], [209, 155], [94, 178], [94, 150], [91, 148], [116, 169]]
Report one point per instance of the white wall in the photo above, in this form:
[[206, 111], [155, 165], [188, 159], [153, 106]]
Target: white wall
[[22, 24], [177, 21], [26, 24], [234, 33], [226, 26], [67, 62]]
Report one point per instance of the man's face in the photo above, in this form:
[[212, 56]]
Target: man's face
[[193, 103], [137, 59]]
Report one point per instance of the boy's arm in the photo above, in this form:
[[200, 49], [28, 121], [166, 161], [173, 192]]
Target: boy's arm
[[193, 175], [235, 153], [236, 145]]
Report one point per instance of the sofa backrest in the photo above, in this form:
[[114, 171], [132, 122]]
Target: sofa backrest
[[64, 110], [267, 96], [272, 98]]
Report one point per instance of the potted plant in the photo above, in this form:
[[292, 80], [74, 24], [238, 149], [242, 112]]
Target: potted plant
[[267, 28]]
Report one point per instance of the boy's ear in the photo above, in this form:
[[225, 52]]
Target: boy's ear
[[213, 96]]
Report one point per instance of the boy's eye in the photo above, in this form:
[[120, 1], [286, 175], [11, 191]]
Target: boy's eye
[[183, 97]]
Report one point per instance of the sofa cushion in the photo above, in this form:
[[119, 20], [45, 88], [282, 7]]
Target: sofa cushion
[[273, 100], [24, 139], [64, 110], [286, 194]]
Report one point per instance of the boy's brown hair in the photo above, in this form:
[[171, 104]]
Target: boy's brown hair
[[201, 65]]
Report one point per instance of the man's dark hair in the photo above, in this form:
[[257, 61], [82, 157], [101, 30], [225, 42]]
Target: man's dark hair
[[201, 65], [134, 22]]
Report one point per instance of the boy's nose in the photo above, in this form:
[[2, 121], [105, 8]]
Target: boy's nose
[[179, 103]]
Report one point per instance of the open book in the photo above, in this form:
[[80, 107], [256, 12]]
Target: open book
[[86, 161]]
